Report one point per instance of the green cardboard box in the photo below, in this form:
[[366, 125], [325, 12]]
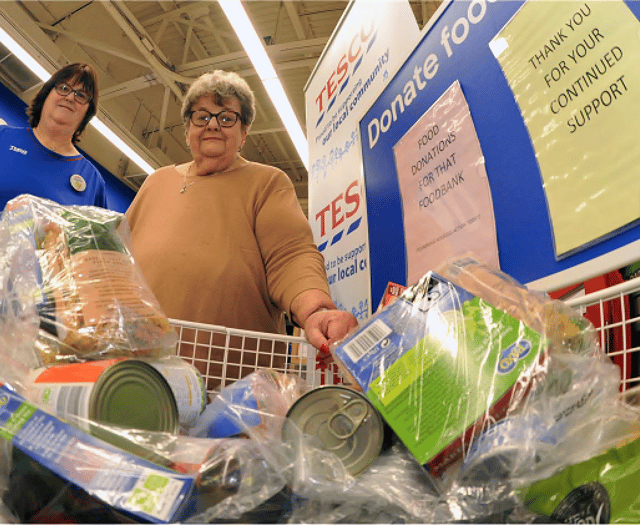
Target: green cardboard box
[[441, 364]]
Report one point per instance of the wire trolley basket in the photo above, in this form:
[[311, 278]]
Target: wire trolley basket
[[611, 311], [223, 355]]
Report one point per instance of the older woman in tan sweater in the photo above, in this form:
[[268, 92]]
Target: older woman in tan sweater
[[222, 240]]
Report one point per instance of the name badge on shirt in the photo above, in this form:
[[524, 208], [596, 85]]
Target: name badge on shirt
[[77, 182]]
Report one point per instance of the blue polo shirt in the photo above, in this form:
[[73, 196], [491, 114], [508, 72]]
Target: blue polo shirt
[[26, 166]]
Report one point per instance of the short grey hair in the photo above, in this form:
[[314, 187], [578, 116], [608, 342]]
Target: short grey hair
[[222, 85]]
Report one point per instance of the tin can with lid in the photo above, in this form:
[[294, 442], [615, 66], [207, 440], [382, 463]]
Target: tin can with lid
[[507, 447], [130, 393], [344, 422], [187, 385]]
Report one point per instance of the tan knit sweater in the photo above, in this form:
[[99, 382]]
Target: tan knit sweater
[[233, 250]]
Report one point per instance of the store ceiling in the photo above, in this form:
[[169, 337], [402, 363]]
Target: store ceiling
[[147, 52]]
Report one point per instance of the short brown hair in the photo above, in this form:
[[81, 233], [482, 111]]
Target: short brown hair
[[82, 73]]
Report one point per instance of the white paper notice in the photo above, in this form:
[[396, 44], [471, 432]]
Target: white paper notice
[[446, 199]]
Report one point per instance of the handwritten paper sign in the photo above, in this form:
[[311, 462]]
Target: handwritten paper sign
[[446, 200]]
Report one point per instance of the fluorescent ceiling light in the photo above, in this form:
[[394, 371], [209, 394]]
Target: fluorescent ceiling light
[[25, 57], [44, 75], [253, 46], [121, 145]]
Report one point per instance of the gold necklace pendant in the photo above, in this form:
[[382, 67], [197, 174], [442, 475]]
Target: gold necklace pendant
[[186, 184], [199, 178]]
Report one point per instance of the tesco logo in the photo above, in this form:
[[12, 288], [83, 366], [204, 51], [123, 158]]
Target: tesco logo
[[348, 62], [338, 211]]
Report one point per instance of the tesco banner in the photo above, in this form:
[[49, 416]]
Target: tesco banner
[[369, 45]]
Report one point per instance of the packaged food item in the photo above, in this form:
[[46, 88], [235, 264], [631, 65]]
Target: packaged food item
[[442, 364], [495, 453], [565, 328], [37, 495], [391, 293], [216, 465], [58, 470], [602, 489], [163, 395], [93, 300], [255, 404]]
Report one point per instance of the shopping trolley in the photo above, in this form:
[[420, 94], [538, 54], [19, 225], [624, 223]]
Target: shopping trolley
[[619, 335], [223, 355]]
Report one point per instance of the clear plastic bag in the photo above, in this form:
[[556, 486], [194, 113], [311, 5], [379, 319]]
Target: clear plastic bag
[[602, 489], [91, 298], [235, 479], [560, 407], [395, 488], [564, 328], [254, 406], [465, 349]]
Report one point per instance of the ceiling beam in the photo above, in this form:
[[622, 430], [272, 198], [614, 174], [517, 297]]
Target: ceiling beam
[[193, 11], [131, 86], [257, 130], [95, 44], [159, 68], [130, 17], [295, 20]]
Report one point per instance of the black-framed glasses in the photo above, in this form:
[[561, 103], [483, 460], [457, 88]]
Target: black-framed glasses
[[226, 118], [82, 97]]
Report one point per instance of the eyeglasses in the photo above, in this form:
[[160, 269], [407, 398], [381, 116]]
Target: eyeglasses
[[82, 97], [226, 118]]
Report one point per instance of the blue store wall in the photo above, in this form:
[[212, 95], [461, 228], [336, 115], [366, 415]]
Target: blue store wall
[[523, 228], [13, 111]]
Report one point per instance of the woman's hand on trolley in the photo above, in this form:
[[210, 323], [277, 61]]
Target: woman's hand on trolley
[[322, 322]]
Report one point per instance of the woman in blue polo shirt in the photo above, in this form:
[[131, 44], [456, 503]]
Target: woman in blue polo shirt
[[42, 159]]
